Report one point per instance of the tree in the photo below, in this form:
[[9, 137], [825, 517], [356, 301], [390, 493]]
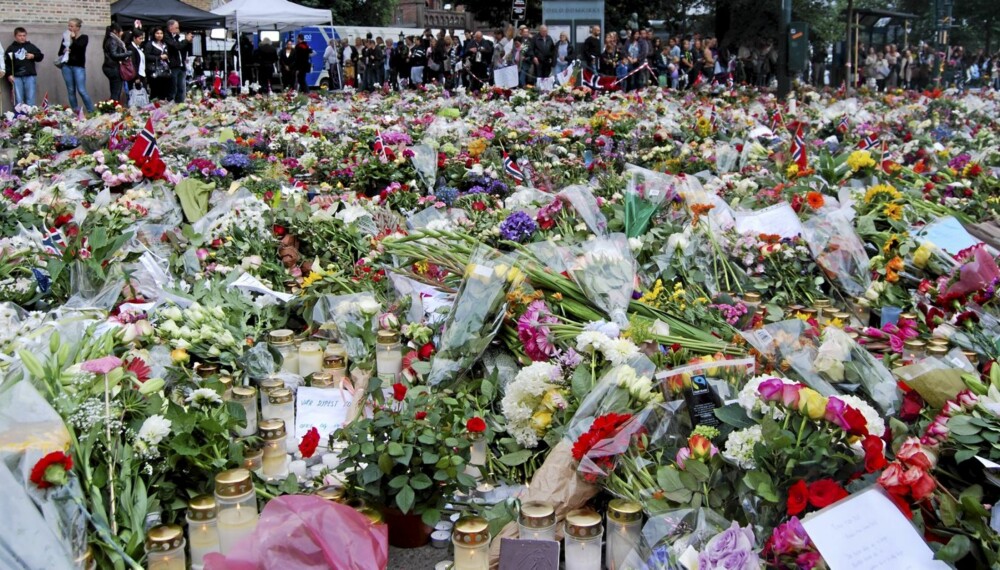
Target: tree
[[357, 12]]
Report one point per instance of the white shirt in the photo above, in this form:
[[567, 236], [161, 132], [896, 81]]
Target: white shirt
[[141, 72], [330, 56]]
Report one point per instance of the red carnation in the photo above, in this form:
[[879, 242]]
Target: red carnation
[[420, 415], [51, 470], [279, 230], [398, 391], [309, 443], [603, 427], [426, 351], [797, 498], [475, 425], [825, 492]]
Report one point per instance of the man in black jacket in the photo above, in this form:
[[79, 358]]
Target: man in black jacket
[[177, 50], [592, 49], [480, 55], [20, 58], [303, 63], [543, 52], [267, 59]]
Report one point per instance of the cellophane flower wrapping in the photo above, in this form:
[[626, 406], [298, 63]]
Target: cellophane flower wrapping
[[725, 375], [476, 315], [978, 272], [587, 207], [605, 270], [667, 536], [354, 316], [615, 392], [839, 251], [645, 192], [425, 162]]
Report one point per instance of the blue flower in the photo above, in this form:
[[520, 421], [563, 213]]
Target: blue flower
[[517, 227], [447, 195], [235, 160]]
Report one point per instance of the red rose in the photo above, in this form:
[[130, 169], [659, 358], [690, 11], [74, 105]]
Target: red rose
[[426, 351], [420, 415], [797, 497], [398, 392], [475, 425], [874, 454], [913, 404], [478, 206], [309, 443], [921, 484], [825, 492], [51, 470], [856, 422], [149, 169], [914, 454], [63, 220], [279, 230]]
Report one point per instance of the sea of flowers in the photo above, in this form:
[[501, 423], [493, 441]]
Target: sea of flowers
[[731, 310]]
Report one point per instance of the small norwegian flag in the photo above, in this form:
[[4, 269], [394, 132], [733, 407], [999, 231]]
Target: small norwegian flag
[[145, 146], [868, 142], [53, 242], [379, 146], [843, 126], [776, 120], [511, 168], [713, 118], [729, 81], [45, 101], [116, 130], [798, 150]]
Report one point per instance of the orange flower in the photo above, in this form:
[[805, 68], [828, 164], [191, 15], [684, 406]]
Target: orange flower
[[893, 268], [815, 200], [920, 167], [699, 210]]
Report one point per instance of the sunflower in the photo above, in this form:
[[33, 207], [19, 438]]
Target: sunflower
[[882, 191], [893, 211]]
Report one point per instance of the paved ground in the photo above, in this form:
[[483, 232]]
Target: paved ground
[[417, 558]]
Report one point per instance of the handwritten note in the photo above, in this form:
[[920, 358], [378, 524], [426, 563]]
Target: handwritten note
[[867, 531], [325, 409]]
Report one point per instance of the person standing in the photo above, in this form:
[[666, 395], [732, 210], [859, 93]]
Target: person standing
[[73, 61], [480, 55], [332, 63], [543, 53], [177, 49], [287, 60], [303, 63], [138, 56], [115, 52], [592, 49], [20, 58], [564, 53], [157, 66], [267, 58]]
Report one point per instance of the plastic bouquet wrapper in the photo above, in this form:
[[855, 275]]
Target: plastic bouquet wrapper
[[476, 315], [726, 376], [425, 162], [150, 276], [978, 272], [605, 270], [610, 437], [622, 389], [90, 291], [586, 206], [427, 303], [839, 251], [645, 192], [306, 532], [931, 259], [354, 317], [779, 219], [671, 539], [935, 380]]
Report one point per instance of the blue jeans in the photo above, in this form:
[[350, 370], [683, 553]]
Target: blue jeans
[[179, 77], [76, 80], [24, 90]]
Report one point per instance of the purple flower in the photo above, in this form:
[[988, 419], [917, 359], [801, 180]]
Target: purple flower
[[517, 227], [732, 549], [533, 333], [790, 537]]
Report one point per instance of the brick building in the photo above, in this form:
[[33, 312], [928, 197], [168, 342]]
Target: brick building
[[435, 14], [45, 21]]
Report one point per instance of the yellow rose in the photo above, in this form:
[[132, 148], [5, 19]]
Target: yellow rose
[[812, 404], [179, 356], [553, 399], [541, 421], [922, 255]]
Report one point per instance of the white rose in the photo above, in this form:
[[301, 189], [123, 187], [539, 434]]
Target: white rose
[[369, 306], [154, 429]]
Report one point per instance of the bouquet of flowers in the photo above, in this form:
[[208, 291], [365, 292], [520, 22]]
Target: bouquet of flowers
[[476, 315], [200, 331], [605, 270], [838, 251], [645, 192]]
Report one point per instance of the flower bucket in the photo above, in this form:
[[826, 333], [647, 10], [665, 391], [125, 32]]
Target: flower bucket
[[406, 530]]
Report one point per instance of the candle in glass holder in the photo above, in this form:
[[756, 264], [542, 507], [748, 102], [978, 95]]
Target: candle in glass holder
[[537, 521], [310, 358], [275, 455], [388, 353], [283, 340], [246, 396], [236, 501], [203, 534], [268, 385], [582, 542], [283, 408], [165, 548], [336, 366], [471, 537], [624, 532], [253, 459], [227, 387], [332, 493]]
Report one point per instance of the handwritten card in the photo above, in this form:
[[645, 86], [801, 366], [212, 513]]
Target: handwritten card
[[325, 409], [778, 219], [866, 530]]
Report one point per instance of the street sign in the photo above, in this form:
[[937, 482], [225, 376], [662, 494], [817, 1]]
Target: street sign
[[519, 9]]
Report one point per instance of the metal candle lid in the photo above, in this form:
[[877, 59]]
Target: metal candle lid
[[244, 393], [332, 493], [281, 337], [387, 337], [322, 380], [164, 537], [280, 396], [537, 514], [334, 361], [271, 383], [752, 297], [272, 429], [233, 483], [583, 523], [622, 511], [206, 370], [471, 531], [373, 515], [822, 303], [201, 508]]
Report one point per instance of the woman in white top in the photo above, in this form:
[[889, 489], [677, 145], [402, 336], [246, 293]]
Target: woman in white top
[[332, 63], [564, 53]]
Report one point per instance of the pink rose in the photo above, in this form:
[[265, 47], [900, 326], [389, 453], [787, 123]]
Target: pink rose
[[920, 483], [913, 454], [770, 390], [790, 395], [967, 399], [835, 409]]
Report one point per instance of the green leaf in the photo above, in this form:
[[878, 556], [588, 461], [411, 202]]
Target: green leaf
[[516, 458], [420, 481], [395, 449], [582, 382], [734, 415], [290, 485], [399, 481], [698, 470], [385, 463], [956, 549], [430, 517], [948, 510], [487, 389], [405, 499]]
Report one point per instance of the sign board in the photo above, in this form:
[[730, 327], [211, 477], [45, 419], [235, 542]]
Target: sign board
[[798, 46], [574, 17], [325, 409], [519, 10]]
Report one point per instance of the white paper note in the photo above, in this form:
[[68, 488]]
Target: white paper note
[[325, 409], [866, 530]]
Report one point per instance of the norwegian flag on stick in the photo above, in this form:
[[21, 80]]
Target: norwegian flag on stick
[[45, 101], [776, 120], [798, 149], [599, 82], [843, 126], [868, 142], [379, 147], [511, 168], [145, 146], [116, 130]]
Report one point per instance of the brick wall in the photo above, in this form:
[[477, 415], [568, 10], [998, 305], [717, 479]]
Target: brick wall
[[203, 4]]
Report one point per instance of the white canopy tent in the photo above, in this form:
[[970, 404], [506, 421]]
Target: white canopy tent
[[279, 15]]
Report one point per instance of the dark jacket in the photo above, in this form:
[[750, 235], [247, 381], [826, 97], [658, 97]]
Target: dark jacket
[[115, 52], [287, 61], [77, 51], [267, 55], [153, 54], [591, 52], [303, 57], [17, 64], [544, 49], [177, 49], [133, 52]]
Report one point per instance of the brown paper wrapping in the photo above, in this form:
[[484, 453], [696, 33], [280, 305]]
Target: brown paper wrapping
[[555, 482]]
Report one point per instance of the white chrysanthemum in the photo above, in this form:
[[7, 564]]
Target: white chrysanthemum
[[523, 397], [589, 341], [619, 350], [154, 429], [739, 446], [204, 397], [876, 425]]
